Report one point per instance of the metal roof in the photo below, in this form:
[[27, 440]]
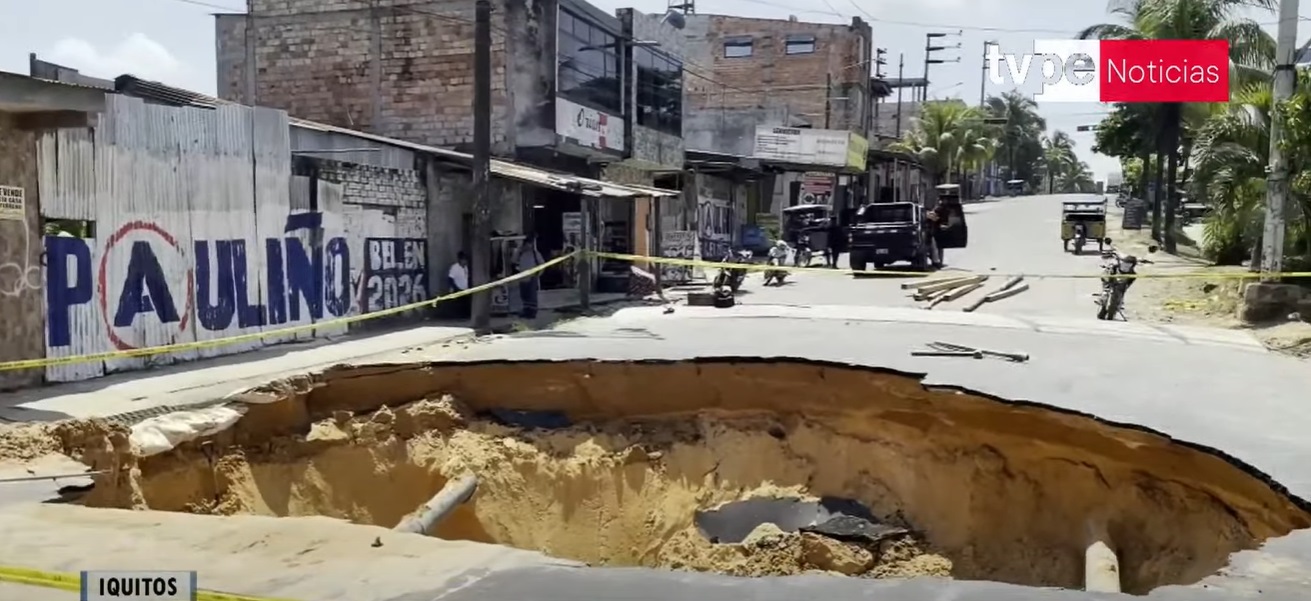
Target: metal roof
[[134, 86]]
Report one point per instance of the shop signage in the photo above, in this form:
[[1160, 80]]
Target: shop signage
[[835, 148], [588, 127]]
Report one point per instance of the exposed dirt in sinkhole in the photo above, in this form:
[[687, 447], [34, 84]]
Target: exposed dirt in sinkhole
[[989, 489]]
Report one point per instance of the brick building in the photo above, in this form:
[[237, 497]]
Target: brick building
[[563, 82], [752, 71], [569, 90]]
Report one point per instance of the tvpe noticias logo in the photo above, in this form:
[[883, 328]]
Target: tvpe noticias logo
[[1117, 70]]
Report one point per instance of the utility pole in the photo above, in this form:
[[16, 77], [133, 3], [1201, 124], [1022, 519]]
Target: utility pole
[[879, 63], [929, 49], [1272, 252], [983, 81], [828, 100], [481, 247], [901, 85], [983, 97]]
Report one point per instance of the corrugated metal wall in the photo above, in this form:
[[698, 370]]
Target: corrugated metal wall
[[195, 236]]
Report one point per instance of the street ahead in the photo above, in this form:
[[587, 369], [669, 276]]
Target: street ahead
[[1010, 235]]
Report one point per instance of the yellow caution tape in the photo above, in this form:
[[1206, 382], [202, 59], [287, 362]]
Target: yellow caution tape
[[920, 274], [254, 336], [73, 582], [759, 267]]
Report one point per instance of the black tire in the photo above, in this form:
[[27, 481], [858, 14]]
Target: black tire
[[858, 261], [1113, 306], [920, 262]]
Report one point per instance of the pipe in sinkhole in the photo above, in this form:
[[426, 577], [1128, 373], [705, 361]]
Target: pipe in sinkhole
[[452, 495]]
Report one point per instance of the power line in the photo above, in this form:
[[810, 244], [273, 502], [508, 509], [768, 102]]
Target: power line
[[872, 18]]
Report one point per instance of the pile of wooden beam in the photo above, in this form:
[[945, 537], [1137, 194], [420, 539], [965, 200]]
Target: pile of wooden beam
[[944, 290]]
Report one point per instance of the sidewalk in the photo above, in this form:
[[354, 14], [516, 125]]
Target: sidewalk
[[199, 382]]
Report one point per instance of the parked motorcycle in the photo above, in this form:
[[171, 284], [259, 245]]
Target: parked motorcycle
[[1110, 303], [778, 255], [801, 258], [730, 276]]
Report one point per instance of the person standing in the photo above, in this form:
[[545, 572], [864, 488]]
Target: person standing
[[836, 241], [457, 278], [527, 259]]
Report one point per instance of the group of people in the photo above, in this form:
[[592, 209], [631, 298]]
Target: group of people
[[526, 258]]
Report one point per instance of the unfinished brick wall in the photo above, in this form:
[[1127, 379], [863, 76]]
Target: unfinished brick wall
[[770, 78], [380, 186], [399, 68]]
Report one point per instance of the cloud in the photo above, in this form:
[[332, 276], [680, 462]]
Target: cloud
[[137, 55]]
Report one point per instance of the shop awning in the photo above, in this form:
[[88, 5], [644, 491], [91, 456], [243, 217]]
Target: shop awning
[[509, 170]]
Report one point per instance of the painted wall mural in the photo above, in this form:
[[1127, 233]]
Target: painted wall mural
[[202, 243], [396, 273], [144, 279]]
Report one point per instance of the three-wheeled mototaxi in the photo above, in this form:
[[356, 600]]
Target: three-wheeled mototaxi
[[806, 228], [1083, 221]]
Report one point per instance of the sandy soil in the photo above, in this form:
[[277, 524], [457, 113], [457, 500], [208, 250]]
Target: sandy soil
[[1199, 301], [995, 491]]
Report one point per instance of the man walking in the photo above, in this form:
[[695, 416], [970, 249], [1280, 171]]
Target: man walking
[[457, 278], [526, 259]]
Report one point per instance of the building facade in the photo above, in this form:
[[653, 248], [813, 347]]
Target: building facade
[[570, 93], [568, 89], [750, 72]]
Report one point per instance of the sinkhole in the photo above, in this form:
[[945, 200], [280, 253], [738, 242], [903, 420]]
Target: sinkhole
[[650, 463]]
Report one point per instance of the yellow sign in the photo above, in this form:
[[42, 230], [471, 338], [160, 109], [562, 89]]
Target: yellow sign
[[857, 152]]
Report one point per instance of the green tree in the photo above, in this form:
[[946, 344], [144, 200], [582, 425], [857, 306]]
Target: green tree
[[1251, 50], [950, 137], [1019, 139], [1230, 156]]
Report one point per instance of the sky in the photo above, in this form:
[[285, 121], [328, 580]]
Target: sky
[[173, 40]]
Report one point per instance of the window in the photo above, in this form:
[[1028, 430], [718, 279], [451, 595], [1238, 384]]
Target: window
[[799, 44], [588, 62], [659, 91], [737, 48]]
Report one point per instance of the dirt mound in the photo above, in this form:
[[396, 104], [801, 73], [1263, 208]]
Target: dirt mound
[[95, 442], [992, 490]]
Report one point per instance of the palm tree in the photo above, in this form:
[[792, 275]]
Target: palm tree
[[1019, 138], [1058, 159], [1251, 50], [949, 137], [1230, 154]]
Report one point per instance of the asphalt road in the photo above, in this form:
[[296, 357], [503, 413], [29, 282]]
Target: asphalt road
[[1007, 236], [1211, 388]]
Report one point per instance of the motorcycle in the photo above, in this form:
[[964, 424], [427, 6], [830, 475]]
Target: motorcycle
[[1110, 303], [776, 275], [801, 258], [729, 276]]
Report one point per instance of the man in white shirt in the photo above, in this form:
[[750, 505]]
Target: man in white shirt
[[458, 279], [527, 258]]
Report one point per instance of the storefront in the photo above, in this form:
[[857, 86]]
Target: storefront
[[814, 166]]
